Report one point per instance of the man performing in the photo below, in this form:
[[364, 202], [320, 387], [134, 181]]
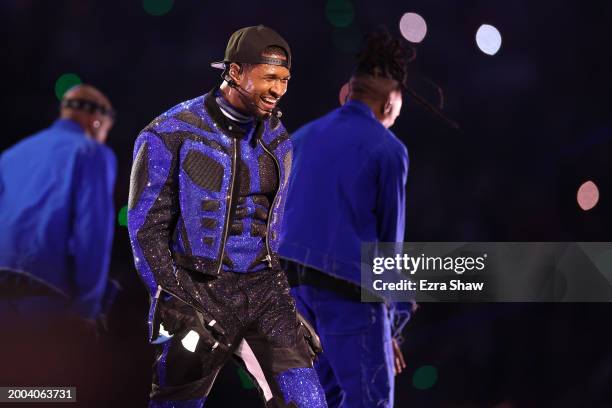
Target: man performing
[[347, 188], [207, 194], [56, 201]]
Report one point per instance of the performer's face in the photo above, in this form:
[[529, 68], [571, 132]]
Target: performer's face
[[392, 108], [264, 85]]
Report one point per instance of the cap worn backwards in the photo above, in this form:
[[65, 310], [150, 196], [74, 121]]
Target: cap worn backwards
[[248, 44]]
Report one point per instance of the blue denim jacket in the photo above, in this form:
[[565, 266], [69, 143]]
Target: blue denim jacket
[[347, 187], [182, 191], [56, 206]]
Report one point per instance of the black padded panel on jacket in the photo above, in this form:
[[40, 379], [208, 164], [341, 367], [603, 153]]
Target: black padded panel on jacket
[[241, 213], [261, 214], [210, 205], [261, 200], [205, 171], [258, 230], [237, 228], [209, 223]]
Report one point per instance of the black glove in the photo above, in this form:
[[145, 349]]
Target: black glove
[[179, 318], [312, 339]]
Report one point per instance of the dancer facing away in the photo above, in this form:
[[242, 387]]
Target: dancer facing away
[[347, 188]]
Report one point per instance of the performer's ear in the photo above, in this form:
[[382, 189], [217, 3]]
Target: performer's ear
[[235, 72], [386, 107]]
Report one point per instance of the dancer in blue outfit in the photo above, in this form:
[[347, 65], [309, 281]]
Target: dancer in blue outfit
[[56, 201], [207, 194], [347, 187]]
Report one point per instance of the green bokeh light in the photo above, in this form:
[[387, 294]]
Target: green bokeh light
[[122, 216], [425, 377], [157, 7], [246, 381], [340, 13], [64, 83]]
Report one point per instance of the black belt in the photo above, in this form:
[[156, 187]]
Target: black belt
[[298, 274]]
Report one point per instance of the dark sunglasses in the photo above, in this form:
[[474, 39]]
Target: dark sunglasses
[[88, 106]]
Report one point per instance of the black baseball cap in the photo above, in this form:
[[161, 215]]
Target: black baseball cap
[[248, 44]]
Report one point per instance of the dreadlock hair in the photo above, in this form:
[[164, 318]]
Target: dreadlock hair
[[383, 56], [383, 59]]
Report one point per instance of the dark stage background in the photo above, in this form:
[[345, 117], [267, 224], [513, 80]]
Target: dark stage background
[[536, 122]]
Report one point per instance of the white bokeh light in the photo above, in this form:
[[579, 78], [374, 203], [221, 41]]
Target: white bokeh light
[[588, 195], [488, 39], [413, 27]]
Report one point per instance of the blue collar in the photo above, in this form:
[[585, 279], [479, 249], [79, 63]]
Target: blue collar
[[68, 125], [359, 107]]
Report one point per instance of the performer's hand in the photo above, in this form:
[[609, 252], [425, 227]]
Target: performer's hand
[[398, 357], [179, 318], [314, 343]]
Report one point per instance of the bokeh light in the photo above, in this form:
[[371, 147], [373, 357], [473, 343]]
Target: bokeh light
[[425, 377], [413, 27], [157, 7], [488, 39], [122, 216], [64, 83], [343, 93], [588, 195], [340, 13]]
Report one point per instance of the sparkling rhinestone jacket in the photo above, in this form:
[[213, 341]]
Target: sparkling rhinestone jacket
[[183, 173]]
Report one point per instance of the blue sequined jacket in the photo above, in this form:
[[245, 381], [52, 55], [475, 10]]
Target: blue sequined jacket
[[182, 188]]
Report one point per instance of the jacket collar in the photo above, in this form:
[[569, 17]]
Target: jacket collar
[[223, 122], [358, 107], [67, 125]]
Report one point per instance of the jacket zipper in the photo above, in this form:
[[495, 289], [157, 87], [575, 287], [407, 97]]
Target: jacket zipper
[[273, 203], [229, 205]]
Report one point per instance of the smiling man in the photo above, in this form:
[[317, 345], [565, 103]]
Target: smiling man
[[207, 194]]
